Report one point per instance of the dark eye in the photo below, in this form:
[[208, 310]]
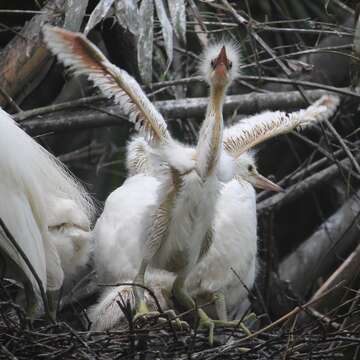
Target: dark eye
[[229, 64], [250, 168], [213, 63]]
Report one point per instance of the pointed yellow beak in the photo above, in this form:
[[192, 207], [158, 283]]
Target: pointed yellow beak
[[262, 182]]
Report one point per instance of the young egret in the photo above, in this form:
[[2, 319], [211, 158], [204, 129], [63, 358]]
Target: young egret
[[118, 230], [179, 231], [82, 57], [32, 183], [118, 234]]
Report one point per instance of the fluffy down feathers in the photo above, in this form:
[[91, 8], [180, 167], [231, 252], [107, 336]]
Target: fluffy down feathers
[[107, 313], [212, 51], [138, 157], [73, 245]]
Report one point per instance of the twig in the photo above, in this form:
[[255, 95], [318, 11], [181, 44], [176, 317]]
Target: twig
[[294, 191], [343, 145], [171, 109], [152, 294], [29, 265], [265, 46], [346, 269], [10, 100], [314, 85], [303, 31], [58, 107], [287, 316]]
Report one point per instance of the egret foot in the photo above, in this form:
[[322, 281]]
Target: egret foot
[[233, 324], [207, 322], [143, 314], [53, 301]]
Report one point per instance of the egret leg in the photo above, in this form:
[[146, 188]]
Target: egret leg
[[186, 300], [142, 309], [220, 305], [53, 301], [205, 321]]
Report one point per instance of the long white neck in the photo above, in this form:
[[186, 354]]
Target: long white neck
[[211, 133]]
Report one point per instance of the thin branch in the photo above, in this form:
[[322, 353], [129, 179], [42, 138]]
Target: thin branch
[[29, 265], [296, 190], [10, 100], [111, 115], [287, 316]]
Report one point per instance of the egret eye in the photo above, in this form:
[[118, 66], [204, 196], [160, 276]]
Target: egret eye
[[251, 168], [229, 64], [213, 64]]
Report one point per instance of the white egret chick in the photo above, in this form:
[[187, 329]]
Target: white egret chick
[[118, 230], [118, 234], [179, 231], [83, 57], [181, 225]]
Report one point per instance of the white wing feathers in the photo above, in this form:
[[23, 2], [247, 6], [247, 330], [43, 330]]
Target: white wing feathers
[[237, 138], [77, 52], [27, 164], [54, 270], [30, 176], [19, 219], [256, 129]]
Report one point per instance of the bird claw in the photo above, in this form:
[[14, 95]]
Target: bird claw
[[170, 316], [145, 316], [234, 324], [207, 322]]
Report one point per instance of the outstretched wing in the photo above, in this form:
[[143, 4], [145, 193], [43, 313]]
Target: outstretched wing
[[77, 52], [256, 129]]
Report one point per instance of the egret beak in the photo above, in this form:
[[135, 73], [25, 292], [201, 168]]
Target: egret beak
[[262, 182], [221, 63]]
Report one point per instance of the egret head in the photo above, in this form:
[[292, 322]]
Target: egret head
[[219, 65], [246, 170]]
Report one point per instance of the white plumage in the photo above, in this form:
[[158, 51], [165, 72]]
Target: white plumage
[[179, 212], [127, 210], [256, 129], [118, 231], [69, 227], [118, 234], [82, 57], [179, 229], [32, 186]]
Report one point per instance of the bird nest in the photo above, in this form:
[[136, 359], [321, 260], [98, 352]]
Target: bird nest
[[301, 334]]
